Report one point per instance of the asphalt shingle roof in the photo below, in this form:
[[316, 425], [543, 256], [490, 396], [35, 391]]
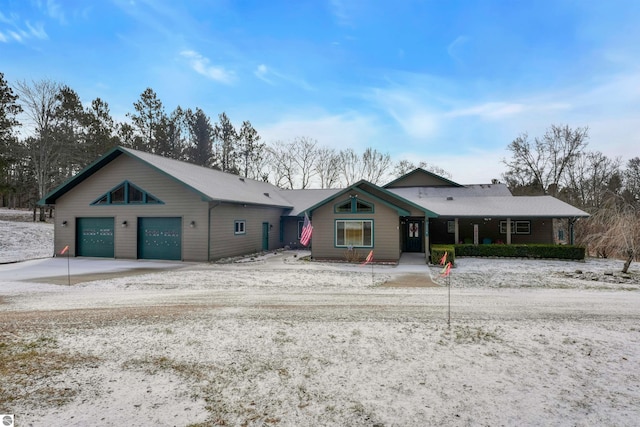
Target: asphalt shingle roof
[[214, 184], [469, 201]]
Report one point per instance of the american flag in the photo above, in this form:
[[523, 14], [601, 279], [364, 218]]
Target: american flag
[[305, 236]]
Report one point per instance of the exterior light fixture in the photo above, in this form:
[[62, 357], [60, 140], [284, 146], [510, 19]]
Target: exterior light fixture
[[192, 224], [124, 224], [64, 223]]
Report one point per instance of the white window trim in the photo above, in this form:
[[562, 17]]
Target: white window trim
[[516, 227], [240, 227]]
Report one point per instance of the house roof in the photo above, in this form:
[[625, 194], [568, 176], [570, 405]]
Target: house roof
[[421, 177], [377, 193], [304, 199], [437, 198], [490, 200], [210, 184]]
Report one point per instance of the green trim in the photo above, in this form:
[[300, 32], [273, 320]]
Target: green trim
[[127, 191], [335, 232], [52, 196], [50, 199], [356, 187], [353, 206]]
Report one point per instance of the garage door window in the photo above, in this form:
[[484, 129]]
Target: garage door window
[[125, 194]]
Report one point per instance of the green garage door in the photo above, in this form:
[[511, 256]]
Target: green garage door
[[160, 238], [94, 237]]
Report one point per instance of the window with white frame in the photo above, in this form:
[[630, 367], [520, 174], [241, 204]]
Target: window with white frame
[[517, 227], [239, 227], [354, 233]]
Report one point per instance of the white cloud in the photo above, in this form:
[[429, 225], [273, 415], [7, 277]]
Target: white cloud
[[3, 38], [17, 37], [200, 64], [271, 76], [336, 131], [455, 47], [37, 31], [54, 10], [261, 72]]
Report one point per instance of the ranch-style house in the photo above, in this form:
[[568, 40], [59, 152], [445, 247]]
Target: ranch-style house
[[135, 205]]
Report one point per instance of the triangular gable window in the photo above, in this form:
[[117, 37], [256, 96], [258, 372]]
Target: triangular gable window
[[126, 193], [353, 206]]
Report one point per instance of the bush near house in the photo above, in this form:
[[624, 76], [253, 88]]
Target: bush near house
[[438, 251], [538, 251]]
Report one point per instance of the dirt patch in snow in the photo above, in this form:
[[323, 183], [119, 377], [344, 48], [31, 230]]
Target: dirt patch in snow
[[411, 281], [76, 279]]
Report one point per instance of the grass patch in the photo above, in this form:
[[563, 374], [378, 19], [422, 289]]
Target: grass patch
[[26, 367]]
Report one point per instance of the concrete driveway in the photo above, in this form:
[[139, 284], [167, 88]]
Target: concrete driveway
[[60, 268]]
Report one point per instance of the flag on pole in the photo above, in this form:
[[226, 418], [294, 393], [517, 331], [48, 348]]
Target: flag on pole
[[307, 229], [444, 258], [446, 270], [368, 259], [64, 250]]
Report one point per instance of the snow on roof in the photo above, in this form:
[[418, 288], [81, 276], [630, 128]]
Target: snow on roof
[[304, 199], [492, 200]]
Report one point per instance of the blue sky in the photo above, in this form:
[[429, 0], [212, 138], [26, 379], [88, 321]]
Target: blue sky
[[449, 82]]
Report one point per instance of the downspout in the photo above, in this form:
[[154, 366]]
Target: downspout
[[209, 231]]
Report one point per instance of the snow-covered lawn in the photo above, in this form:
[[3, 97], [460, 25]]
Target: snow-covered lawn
[[284, 342], [21, 238]]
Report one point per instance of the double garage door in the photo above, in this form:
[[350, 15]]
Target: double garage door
[[157, 238]]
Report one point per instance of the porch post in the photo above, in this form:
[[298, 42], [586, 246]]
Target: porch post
[[427, 252], [508, 231], [571, 236], [457, 232]]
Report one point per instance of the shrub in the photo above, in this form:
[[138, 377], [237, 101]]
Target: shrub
[[522, 251], [437, 252]]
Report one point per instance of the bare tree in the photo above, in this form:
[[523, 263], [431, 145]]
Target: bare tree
[[375, 165], [591, 180], [402, 167], [39, 101], [351, 168], [327, 167], [304, 155], [543, 164], [284, 169], [614, 230]]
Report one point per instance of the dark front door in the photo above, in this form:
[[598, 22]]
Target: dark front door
[[413, 235]]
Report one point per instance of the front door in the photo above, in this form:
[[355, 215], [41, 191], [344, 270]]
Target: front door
[[265, 236], [413, 235]]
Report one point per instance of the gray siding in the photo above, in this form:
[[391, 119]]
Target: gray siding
[[224, 242], [386, 234], [178, 202], [290, 236]]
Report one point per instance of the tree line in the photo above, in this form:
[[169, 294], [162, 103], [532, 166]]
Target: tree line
[[560, 164], [47, 136]]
